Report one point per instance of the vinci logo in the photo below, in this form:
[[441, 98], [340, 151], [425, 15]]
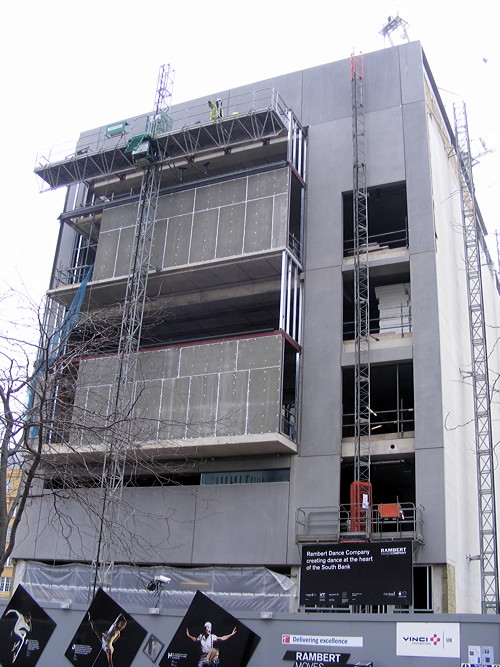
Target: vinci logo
[[434, 639], [428, 639]]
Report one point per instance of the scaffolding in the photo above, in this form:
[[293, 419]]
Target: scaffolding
[[130, 333], [479, 373], [361, 285], [259, 116]]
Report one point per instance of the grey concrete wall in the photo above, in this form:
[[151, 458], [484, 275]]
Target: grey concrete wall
[[195, 525], [210, 222], [216, 389], [378, 635]]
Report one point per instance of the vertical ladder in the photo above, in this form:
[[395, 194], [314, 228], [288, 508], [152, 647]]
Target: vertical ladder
[[480, 379], [361, 281], [122, 403]]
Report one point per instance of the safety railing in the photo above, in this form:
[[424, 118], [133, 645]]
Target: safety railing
[[288, 421], [399, 420], [232, 105], [397, 238], [396, 320], [381, 522], [71, 275], [180, 119]]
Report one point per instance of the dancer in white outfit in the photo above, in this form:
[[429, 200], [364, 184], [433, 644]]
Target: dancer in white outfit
[[21, 629], [206, 642]]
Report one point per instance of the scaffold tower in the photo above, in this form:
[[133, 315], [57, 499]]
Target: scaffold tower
[[361, 279], [143, 149], [479, 368]]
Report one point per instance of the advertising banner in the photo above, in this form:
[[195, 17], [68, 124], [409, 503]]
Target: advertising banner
[[209, 635], [325, 641], [356, 573], [428, 640], [107, 635], [318, 658], [25, 629]]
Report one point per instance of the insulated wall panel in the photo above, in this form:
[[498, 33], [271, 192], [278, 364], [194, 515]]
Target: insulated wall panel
[[264, 400]]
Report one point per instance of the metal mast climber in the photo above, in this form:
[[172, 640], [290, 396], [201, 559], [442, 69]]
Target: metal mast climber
[[480, 377], [361, 487], [142, 148]]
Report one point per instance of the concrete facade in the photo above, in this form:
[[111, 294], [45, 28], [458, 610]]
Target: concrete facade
[[224, 386]]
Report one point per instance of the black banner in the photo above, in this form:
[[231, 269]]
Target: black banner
[[333, 575], [107, 635], [25, 629], [210, 635]]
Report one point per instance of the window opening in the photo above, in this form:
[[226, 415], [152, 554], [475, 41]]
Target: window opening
[[5, 584], [289, 398], [390, 304], [392, 403], [246, 476], [387, 218], [295, 216]]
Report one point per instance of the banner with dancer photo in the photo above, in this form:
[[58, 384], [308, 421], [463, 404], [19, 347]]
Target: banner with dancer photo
[[210, 636], [25, 629], [106, 636]]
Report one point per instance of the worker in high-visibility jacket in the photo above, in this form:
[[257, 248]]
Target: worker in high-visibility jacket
[[216, 110]]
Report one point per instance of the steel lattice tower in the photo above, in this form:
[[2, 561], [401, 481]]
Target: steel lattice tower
[[479, 361], [129, 341], [361, 280]]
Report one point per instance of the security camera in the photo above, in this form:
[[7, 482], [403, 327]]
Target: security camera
[[157, 583]]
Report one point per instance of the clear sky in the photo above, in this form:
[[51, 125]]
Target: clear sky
[[68, 67]]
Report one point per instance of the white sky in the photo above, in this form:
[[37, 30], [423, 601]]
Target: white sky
[[69, 67]]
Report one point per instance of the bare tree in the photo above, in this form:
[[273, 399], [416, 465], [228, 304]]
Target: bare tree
[[56, 434]]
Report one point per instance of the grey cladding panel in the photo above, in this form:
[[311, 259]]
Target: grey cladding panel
[[264, 400], [231, 405], [221, 194], [178, 240], [178, 203], [280, 221], [212, 358], [230, 234], [334, 101], [204, 236], [207, 196], [261, 352], [159, 363], [232, 192], [118, 217], [381, 80], [202, 405], [258, 227], [106, 255], [92, 372], [252, 515], [268, 183], [173, 408], [158, 246], [147, 410], [125, 247]]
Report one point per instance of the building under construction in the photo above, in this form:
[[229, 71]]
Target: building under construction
[[292, 313]]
